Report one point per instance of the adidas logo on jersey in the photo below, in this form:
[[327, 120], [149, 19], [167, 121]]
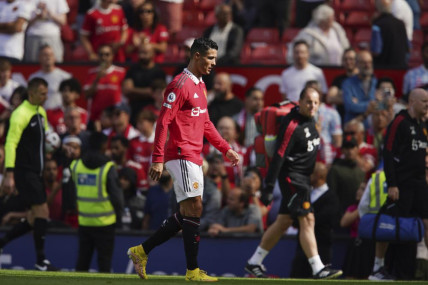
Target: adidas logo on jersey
[[195, 96]]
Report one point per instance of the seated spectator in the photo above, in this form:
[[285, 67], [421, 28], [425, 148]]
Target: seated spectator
[[238, 216], [325, 205], [119, 149], [157, 207], [70, 90], [44, 28], [147, 30], [7, 84], [138, 80], [335, 92], [228, 36], [121, 125], [14, 17], [18, 96], [53, 191], [389, 43], [345, 176], [217, 174], [141, 147], [158, 89], [329, 127], [417, 77], [326, 38], [211, 200], [376, 133], [367, 158], [254, 102], [53, 76], [359, 90], [103, 86], [133, 215], [252, 185], [104, 24], [294, 78], [225, 103]]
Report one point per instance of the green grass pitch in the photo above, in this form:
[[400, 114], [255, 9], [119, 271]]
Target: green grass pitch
[[25, 277]]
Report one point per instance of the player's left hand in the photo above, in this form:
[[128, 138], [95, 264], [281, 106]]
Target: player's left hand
[[233, 157], [155, 171]]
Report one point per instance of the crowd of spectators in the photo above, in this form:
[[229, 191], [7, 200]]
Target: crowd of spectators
[[124, 102]]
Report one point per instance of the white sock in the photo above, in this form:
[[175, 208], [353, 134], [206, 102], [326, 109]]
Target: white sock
[[258, 256], [378, 263], [316, 264]]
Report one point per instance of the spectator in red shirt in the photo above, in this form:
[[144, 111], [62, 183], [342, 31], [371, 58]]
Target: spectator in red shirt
[[141, 147], [103, 87], [104, 24], [53, 190], [121, 125], [119, 148], [70, 90], [158, 89], [147, 30]]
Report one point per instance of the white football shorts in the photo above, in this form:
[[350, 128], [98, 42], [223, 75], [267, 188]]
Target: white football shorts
[[188, 178]]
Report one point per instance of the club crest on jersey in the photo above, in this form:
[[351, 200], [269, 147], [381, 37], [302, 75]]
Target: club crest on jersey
[[195, 185], [171, 97], [307, 133]]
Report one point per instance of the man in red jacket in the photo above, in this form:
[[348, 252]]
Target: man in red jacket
[[184, 113]]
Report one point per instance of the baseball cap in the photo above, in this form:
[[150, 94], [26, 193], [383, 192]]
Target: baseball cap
[[349, 142], [123, 107]]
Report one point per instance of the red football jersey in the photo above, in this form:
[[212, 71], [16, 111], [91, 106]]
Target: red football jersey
[[140, 150], [56, 119], [105, 27], [109, 90], [160, 34], [184, 113]]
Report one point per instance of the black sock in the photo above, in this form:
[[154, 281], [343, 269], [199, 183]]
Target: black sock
[[169, 228], [18, 230], [191, 241], [40, 226]]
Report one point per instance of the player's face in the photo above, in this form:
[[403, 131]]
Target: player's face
[[309, 103], [207, 61]]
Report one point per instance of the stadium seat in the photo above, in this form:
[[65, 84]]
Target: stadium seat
[[74, 9], [173, 55], [357, 20], [418, 39], [362, 39], [289, 34], [424, 6], [350, 35], [357, 5], [263, 35], [193, 18], [187, 32], [415, 58], [272, 54], [208, 5], [210, 19], [79, 54], [424, 21], [189, 5]]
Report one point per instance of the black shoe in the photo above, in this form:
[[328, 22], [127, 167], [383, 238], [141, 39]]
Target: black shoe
[[328, 273], [256, 270], [45, 266], [381, 275]]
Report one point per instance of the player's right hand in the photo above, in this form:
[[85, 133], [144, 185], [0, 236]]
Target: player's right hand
[[155, 171]]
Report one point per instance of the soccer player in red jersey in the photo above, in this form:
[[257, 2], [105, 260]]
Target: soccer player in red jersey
[[184, 114]]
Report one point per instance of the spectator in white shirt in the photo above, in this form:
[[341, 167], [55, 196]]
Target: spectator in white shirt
[[7, 84], [44, 27], [52, 74], [294, 78], [14, 16]]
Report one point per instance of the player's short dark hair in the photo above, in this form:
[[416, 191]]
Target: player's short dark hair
[[251, 90], [202, 45], [119, 138], [35, 83], [97, 141], [72, 83], [300, 42], [305, 90]]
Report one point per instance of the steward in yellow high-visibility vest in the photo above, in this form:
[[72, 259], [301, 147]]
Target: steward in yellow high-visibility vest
[[99, 203], [374, 195]]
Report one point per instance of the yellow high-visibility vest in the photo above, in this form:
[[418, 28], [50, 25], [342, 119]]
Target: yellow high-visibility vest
[[95, 208], [378, 191]]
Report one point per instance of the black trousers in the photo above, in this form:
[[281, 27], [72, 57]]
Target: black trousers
[[100, 239]]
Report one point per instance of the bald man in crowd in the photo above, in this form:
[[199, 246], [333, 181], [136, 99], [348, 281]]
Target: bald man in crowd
[[404, 164], [225, 103]]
